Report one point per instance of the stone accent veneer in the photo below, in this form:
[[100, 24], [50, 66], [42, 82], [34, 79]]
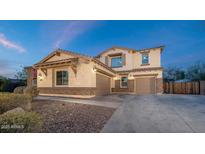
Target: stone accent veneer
[[31, 76], [159, 85], [67, 90]]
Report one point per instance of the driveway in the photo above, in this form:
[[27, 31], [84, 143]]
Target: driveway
[[158, 113]]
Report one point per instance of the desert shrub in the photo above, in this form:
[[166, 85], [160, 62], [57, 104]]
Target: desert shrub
[[31, 91], [10, 101], [3, 83], [20, 122], [19, 90]]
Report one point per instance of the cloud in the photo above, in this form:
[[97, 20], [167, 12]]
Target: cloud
[[9, 44], [71, 30]]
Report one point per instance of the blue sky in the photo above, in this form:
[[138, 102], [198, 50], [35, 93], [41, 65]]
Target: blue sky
[[23, 43]]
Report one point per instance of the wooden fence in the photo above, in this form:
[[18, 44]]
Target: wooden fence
[[182, 87]]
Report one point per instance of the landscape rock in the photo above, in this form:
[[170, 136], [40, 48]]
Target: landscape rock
[[16, 110]]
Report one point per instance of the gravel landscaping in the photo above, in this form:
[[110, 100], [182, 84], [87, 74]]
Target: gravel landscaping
[[60, 117]]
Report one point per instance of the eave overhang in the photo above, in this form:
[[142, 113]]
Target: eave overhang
[[140, 70], [56, 63]]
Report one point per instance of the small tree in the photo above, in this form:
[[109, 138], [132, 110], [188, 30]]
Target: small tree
[[196, 72], [21, 75], [174, 73]]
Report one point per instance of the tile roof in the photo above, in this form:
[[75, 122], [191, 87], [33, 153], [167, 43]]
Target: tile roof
[[124, 48]]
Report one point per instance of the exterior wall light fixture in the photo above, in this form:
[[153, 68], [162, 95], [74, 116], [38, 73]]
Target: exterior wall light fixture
[[40, 77], [94, 69], [131, 77]]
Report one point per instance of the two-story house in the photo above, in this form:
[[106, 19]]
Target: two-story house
[[115, 70]]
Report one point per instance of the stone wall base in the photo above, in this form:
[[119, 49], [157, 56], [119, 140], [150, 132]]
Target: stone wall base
[[159, 86], [68, 90]]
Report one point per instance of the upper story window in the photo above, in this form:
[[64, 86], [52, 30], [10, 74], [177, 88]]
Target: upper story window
[[116, 62], [145, 59], [62, 78]]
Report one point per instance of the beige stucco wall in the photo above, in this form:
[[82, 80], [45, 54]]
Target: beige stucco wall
[[134, 60], [129, 59], [154, 59], [85, 77], [46, 80]]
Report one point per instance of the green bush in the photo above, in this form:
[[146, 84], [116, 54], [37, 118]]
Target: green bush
[[31, 91], [20, 122], [9, 101], [19, 90]]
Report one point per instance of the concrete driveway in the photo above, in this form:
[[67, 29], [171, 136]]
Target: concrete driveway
[[159, 113]]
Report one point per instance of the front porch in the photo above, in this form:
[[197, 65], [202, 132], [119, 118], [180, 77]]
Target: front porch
[[129, 88]]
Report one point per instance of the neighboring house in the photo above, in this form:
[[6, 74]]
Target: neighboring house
[[31, 76], [117, 69]]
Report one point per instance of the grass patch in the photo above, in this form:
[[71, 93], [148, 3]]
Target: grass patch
[[23, 122], [9, 101]]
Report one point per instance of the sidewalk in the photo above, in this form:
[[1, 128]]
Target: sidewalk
[[110, 104]]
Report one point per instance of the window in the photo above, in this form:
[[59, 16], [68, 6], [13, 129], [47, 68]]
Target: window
[[145, 59], [34, 82], [116, 62], [62, 78], [124, 82]]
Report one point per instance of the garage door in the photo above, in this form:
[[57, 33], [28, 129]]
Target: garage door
[[102, 85], [145, 86]]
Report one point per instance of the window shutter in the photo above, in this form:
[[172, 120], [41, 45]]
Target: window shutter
[[106, 60], [124, 59]]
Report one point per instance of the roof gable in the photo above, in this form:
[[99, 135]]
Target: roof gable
[[128, 49], [111, 49], [60, 54]]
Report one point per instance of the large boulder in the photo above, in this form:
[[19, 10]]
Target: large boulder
[[19, 90], [16, 110]]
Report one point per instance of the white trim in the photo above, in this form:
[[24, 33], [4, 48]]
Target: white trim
[[142, 54], [116, 57]]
